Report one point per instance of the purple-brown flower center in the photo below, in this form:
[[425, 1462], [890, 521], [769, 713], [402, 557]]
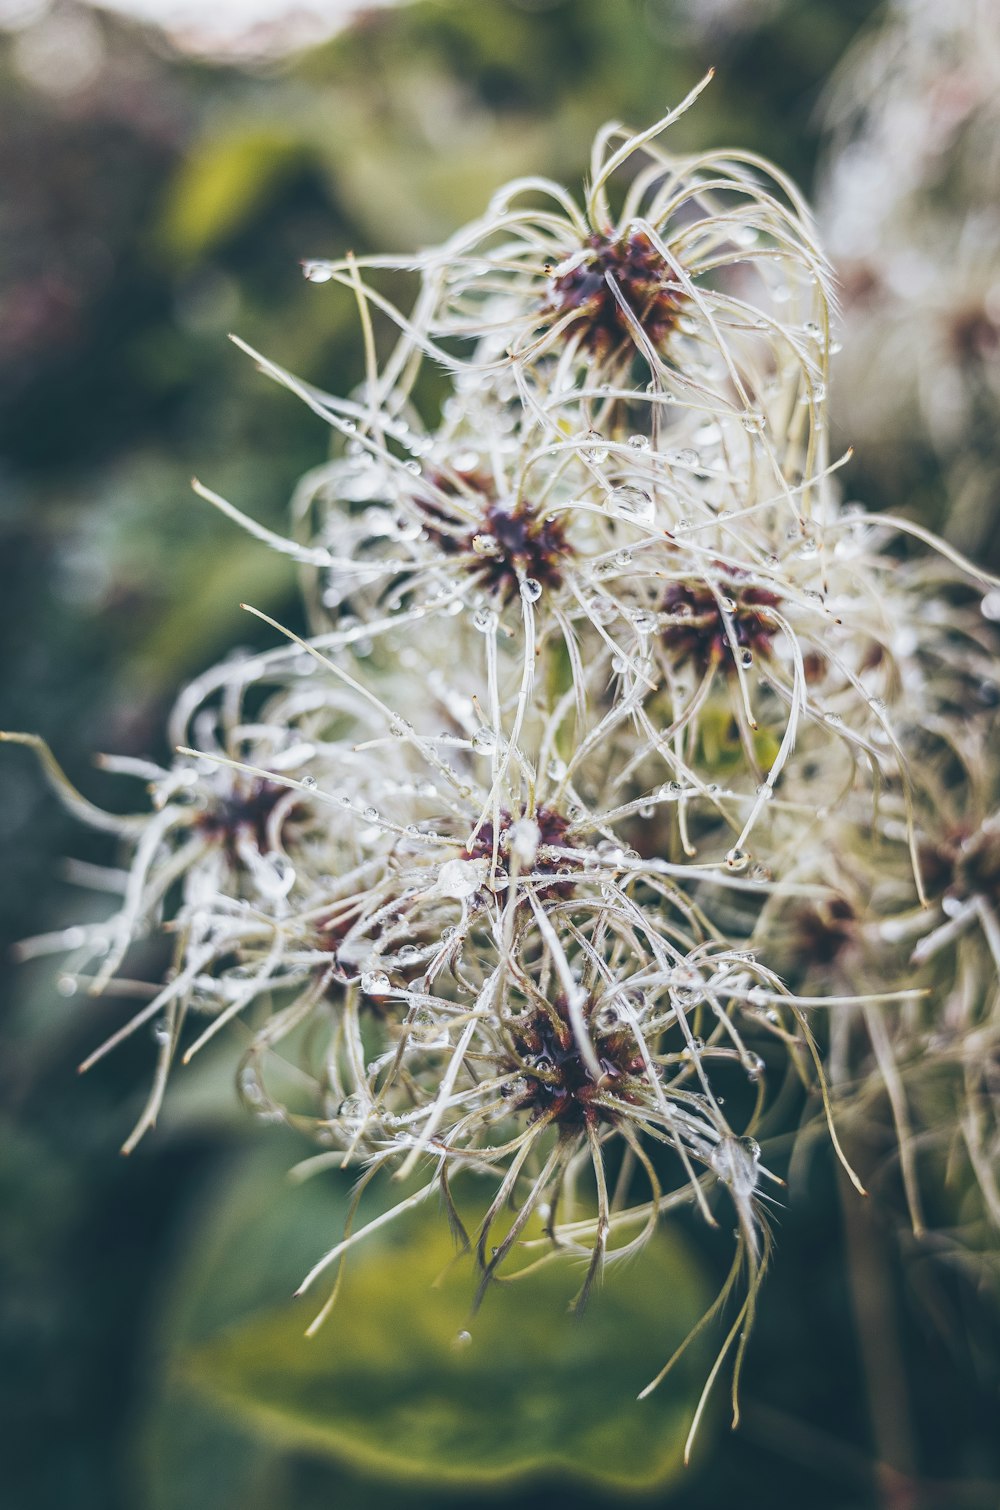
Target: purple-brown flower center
[[825, 930], [586, 292], [511, 545], [964, 864], [552, 830], [711, 628], [558, 1080], [242, 814]]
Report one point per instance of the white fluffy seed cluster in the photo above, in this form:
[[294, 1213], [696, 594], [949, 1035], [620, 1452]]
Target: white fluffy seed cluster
[[909, 213], [624, 775]]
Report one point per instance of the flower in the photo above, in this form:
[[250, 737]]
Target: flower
[[608, 712]]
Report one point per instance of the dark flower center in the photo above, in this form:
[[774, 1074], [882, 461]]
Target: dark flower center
[[974, 335], [964, 864], [552, 830], [643, 279], [558, 1079], [242, 813], [529, 547], [704, 628], [825, 930], [511, 544]]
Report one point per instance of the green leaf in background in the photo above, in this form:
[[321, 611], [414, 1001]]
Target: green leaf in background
[[393, 1386], [210, 611], [221, 184]]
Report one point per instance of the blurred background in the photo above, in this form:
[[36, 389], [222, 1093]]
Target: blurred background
[[165, 165]]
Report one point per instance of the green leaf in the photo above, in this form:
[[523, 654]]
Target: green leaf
[[208, 614], [223, 183], [387, 1387]]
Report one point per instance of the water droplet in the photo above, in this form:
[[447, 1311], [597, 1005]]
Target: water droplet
[[633, 503], [597, 450], [685, 457], [249, 1085], [737, 859], [485, 620], [602, 610], [462, 1340], [752, 422], [484, 741], [371, 813], [735, 1161], [486, 545], [746, 658], [405, 527], [990, 607], [687, 987], [531, 590], [525, 837], [275, 875], [309, 782], [317, 272], [461, 879], [639, 442], [644, 622], [375, 983]]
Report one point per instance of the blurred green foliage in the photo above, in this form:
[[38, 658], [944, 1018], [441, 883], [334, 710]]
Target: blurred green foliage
[[146, 214], [386, 1386]]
